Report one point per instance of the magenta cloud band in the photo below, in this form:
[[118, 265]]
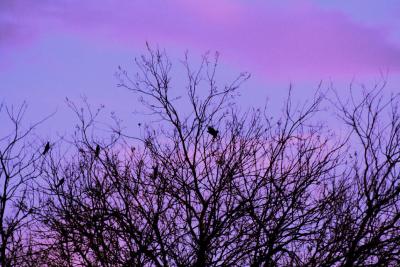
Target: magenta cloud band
[[281, 40]]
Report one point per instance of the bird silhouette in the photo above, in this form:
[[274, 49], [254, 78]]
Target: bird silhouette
[[97, 151], [155, 172], [60, 183], [212, 131], [46, 148]]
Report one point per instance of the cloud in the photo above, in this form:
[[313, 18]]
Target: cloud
[[277, 40]]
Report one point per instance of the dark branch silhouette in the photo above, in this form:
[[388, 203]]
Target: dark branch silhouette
[[20, 168]]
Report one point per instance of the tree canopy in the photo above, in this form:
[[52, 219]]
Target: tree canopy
[[212, 186]]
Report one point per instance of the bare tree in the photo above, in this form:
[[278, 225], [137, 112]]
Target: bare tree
[[20, 163], [363, 226], [210, 185]]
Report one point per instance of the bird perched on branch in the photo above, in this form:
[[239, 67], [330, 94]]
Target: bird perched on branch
[[97, 151], [46, 148], [155, 172], [212, 131], [60, 183]]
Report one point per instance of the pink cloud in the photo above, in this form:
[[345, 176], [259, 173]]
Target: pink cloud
[[275, 40]]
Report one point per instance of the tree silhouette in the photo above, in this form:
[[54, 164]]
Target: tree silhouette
[[20, 166], [249, 190]]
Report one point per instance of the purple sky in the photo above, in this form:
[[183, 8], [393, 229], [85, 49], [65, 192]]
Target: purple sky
[[51, 49]]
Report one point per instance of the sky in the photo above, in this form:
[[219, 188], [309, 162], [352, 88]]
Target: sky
[[53, 49]]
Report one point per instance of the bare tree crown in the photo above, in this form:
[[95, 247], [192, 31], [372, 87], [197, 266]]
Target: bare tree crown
[[209, 185]]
